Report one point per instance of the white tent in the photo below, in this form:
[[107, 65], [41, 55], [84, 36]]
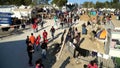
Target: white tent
[[22, 7]]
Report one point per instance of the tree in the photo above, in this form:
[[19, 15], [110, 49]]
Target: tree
[[59, 3], [115, 1], [47, 1], [99, 5], [88, 4], [107, 4], [15, 2], [27, 2]]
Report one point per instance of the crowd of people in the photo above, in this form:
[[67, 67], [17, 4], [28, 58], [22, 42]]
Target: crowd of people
[[38, 43], [34, 44], [73, 36]]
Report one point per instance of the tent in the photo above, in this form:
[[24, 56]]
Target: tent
[[102, 34]]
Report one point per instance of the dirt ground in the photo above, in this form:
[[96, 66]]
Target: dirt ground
[[66, 59], [86, 18]]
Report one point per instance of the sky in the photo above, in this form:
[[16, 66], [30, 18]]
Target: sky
[[82, 1]]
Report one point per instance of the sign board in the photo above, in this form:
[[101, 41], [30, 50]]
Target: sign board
[[5, 18]]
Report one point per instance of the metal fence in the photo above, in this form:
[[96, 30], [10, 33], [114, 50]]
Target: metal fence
[[102, 63]]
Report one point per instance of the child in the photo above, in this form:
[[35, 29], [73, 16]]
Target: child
[[39, 64]]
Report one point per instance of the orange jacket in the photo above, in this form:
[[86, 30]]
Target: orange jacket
[[32, 39]]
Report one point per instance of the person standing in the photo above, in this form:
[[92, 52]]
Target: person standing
[[76, 32], [44, 49], [30, 51], [62, 21], [92, 64], [45, 35], [55, 20], [39, 64], [37, 42], [52, 30], [27, 40], [32, 39]]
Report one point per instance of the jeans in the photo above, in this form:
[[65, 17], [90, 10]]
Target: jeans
[[44, 53], [52, 35]]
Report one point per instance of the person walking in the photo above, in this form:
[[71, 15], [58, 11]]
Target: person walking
[[32, 40], [45, 35], [52, 30], [76, 48], [30, 51], [37, 42], [55, 20], [34, 26], [44, 49]]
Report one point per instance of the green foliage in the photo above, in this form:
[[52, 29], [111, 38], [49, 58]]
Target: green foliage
[[88, 4], [59, 3], [99, 5], [27, 2], [117, 61], [116, 5], [115, 1], [15, 2], [107, 4]]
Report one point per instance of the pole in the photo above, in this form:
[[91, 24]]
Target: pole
[[59, 54]]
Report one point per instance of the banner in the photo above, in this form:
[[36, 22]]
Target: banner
[[5, 18]]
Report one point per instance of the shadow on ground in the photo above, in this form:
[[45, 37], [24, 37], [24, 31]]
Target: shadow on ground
[[51, 40], [64, 64], [4, 34], [43, 28], [51, 56]]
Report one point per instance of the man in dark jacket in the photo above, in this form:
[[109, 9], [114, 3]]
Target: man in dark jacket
[[30, 51], [44, 49], [52, 30]]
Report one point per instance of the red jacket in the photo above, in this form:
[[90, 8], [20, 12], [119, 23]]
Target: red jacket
[[45, 35], [34, 26], [94, 66], [37, 40]]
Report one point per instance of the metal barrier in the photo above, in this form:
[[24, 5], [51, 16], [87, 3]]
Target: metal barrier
[[108, 63]]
